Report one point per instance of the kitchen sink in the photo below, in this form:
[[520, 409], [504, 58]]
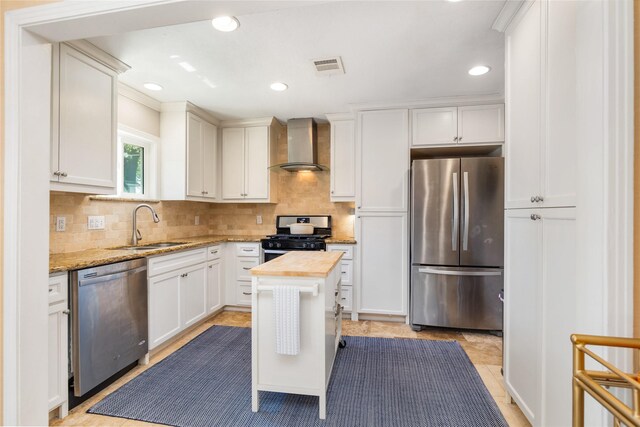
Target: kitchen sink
[[149, 247]]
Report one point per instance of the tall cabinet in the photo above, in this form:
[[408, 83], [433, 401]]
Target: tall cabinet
[[382, 191], [540, 216]]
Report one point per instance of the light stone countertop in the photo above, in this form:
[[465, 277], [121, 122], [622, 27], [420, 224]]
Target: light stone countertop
[[299, 264], [92, 257]]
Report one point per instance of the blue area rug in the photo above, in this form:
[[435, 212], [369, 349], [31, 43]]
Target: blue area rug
[[375, 382]]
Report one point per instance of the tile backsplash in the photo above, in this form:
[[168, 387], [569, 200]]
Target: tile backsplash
[[298, 193]]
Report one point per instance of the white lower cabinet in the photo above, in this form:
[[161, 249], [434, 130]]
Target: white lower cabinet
[[242, 257], [58, 344], [185, 295], [347, 278], [382, 263], [540, 311]]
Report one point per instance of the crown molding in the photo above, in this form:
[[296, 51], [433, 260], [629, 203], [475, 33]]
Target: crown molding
[[99, 55], [139, 97], [334, 117], [187, 107], [450, 101], [506, 15], [261, 121]]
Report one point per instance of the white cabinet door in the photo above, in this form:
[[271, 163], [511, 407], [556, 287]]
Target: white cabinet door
[[193, 294], [383, 263], [559, 151], [210, 160], [480, 124], [87, 121], [164, 307], [523, 89], [522, 292], [214, 286], [434, 126], [343, 161], [257, 162], [558, 314], [233, 163], [384, 161], [57, 351], [194, 155]]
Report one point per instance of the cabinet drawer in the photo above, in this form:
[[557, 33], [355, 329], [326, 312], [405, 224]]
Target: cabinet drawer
[[243, 293], [248, 249], [346, 298], [346, 270], [346, 249], [165, 263], [214, 252], [58, 288], [243, 265]]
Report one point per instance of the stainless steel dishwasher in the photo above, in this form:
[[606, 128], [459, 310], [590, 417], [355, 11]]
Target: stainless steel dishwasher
[[109, 321]]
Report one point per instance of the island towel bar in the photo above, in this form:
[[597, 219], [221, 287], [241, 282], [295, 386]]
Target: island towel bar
[[594, 382], [313, 289]]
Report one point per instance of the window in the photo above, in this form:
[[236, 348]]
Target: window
[[136, 163]]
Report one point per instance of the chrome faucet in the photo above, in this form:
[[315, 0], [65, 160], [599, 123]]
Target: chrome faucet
[[136, 233]]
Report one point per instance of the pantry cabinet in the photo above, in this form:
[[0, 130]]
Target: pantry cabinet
[[188, 153], [475, 124], [541, 98], [247, 153], [343, 158], [84, 122]]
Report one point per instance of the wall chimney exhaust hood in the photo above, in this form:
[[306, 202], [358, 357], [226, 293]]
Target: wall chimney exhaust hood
[[302, 147]]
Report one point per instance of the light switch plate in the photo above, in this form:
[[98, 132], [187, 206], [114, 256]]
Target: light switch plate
[[258, 219], [96, 222], [61, 223]]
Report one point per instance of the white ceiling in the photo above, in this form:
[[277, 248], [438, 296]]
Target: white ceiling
[[392, 51]]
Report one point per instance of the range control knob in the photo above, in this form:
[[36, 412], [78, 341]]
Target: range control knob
[[304, 246], [312, 245], [270, 244], [278, 244]]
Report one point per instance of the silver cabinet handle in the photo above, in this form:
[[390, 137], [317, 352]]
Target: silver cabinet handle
[[465, 231], [455, 138], [57, 173], [246, 293], [535, 217], [456, 214], [184, 275], [246, 268], [533, 199], [205, 192], [63, 174], [459, 138], [247, 250], [66, 311], [214, 252], [539, 199], [480, 273]]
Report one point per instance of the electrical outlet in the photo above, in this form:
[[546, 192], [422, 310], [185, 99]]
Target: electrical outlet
[[258, 219], [197, 220], [61, 223], [96, 222]]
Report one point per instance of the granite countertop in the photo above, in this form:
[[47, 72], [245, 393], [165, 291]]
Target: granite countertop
[[299, 264], [92, 257], [340, 241]]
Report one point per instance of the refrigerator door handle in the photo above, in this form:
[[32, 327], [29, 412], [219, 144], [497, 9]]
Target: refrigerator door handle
[[465, 226], [456, 214], [429, 270]]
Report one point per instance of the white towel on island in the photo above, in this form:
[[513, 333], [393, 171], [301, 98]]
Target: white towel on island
[[286, 309]]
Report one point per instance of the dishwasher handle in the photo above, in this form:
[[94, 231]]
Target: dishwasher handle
[[110, 277]]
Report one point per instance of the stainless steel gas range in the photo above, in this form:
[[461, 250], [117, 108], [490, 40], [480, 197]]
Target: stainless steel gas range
[[283, 241]]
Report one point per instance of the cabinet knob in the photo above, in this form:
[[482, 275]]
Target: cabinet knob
[[57, 173], [459, 138], [205, 192], [331, 191], [211, 266], [533, 199], [455, 138], [535, 217], [63, 174], [539, 199], [66, 311]]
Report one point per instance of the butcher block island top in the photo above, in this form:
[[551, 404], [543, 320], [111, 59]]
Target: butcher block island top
[[299, 264]]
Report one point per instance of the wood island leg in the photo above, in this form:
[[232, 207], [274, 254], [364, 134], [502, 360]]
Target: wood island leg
[[323, 406]]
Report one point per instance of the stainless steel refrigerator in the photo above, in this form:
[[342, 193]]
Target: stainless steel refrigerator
[[457, 247]]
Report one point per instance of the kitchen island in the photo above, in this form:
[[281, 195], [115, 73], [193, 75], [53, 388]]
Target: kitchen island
[[305, 367]]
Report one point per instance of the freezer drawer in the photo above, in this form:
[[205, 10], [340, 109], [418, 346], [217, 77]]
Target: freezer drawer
[[456, 297]]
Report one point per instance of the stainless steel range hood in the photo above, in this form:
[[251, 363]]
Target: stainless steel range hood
[[302, 147]]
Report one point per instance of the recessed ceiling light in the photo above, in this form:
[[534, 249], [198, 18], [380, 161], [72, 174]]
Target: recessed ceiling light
[[188, 67], [454, 1], [174, 56], [152, 86], [479, 70], [225, 23], [278, 86]]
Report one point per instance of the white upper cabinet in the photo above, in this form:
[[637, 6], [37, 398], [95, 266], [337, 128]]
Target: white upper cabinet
[[84, 123], [188, 153], [479, 124], [433, 126], [247, 154], [343, 159], [476, 124], [383, 153], [541, 99]]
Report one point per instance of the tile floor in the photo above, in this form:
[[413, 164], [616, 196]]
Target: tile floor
[[484, 350]]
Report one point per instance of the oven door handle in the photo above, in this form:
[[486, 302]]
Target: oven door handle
[[273, 251]]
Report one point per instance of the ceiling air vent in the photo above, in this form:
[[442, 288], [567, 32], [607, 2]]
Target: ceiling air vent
[[328, 66]]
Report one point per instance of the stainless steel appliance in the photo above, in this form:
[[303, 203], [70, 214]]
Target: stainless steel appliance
[[457, 242], [278, 244], [109, 321]]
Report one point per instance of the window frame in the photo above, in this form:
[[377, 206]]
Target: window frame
[[131, 136]]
